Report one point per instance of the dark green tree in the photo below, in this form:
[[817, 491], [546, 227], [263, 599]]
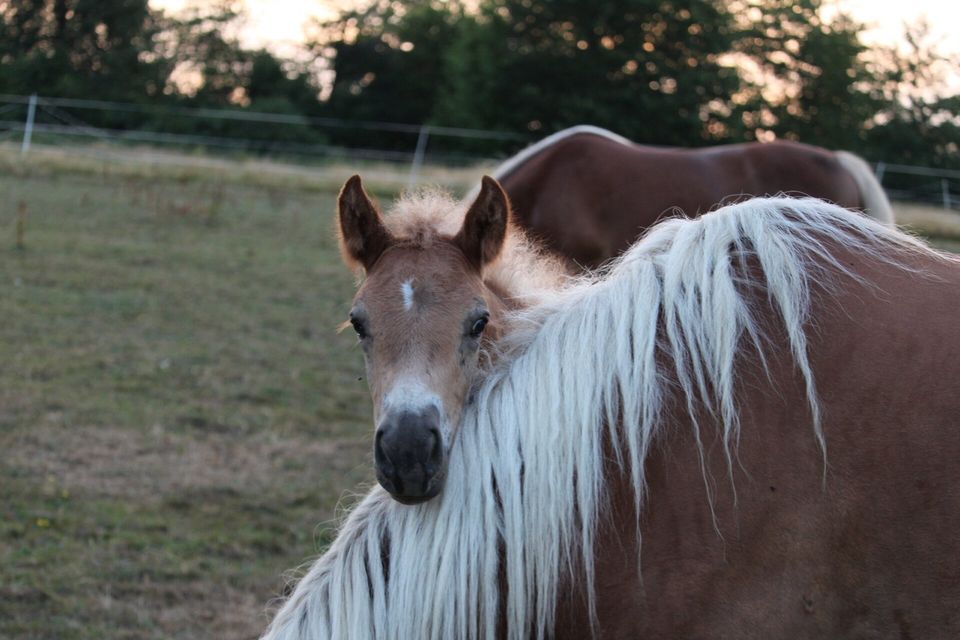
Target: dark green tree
[[122, 50], [212, 69], [211, 65], [679, 72], [276, 85], [387, 61], [81, 48], [811, 81], [649, 69]]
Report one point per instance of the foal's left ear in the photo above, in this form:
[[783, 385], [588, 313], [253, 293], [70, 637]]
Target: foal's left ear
[[485, 225]]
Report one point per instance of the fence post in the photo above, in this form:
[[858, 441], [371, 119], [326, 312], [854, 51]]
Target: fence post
[[418, 155], [945, 189], [21, 224], [881, 167], [28, 128]]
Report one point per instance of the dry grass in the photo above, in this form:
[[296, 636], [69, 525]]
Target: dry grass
[[151, 163], [939, 225], [177, 413], [109, 461]]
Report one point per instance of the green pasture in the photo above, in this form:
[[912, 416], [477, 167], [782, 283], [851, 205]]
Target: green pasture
[[179, 418]]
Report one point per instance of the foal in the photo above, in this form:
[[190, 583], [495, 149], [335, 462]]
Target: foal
[[427, 315]]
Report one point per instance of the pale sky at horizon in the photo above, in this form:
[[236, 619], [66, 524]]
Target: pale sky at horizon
[[274, 23], [279, 24]]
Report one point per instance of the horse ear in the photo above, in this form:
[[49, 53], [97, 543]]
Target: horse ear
[[485, 225], [363, 237]]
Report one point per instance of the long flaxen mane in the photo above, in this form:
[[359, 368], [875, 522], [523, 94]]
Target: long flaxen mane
[[595, 363]]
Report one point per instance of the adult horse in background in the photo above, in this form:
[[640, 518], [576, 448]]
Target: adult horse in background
[[589, 193], [765, 396]]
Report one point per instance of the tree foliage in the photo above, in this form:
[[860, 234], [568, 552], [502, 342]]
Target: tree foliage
[[677, 72], [812, 83], [81, 48], [915, 121], [125, 51], [543, 66]]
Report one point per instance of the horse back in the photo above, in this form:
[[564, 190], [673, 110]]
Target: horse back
[[589, 197]]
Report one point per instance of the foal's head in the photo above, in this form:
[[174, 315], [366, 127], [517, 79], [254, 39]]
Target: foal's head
[[423, 315]]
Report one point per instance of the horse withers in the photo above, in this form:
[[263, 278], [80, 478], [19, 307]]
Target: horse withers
[[588, 193]]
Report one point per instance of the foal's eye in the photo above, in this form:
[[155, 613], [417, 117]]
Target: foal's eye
[[479, 326], [358, 327]]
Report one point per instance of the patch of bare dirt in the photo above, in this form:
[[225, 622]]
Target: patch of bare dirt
[[123, 463], [199, 611]]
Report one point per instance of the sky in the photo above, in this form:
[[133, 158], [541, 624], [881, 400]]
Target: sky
[[275, 24], [886, 18], [278, 24]]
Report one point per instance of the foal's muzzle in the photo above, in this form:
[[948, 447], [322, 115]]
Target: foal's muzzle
[[409, 455]]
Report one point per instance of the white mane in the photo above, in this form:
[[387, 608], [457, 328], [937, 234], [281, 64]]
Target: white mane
[[526, 469], [509, 165]]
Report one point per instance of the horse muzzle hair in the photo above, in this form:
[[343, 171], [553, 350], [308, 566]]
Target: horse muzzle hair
[[409, 454]]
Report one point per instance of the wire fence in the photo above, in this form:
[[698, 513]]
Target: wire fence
[[56, 120]]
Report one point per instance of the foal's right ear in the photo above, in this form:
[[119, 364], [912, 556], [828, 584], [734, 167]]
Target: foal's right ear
[[363, 237]]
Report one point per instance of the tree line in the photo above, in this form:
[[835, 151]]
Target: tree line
[[665, 72]]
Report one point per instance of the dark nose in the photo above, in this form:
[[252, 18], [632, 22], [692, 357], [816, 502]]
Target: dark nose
[[408, 452]]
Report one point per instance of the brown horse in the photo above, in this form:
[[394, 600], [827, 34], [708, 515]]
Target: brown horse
[[765, 396], [589, 193]]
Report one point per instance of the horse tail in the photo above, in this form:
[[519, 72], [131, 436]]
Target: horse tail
[[875, 201]]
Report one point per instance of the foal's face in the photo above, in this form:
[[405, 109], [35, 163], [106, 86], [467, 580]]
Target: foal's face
[[422, 316]]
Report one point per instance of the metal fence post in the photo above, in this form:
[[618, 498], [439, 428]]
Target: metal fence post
[[881, 167], [28, 128], [418, 156], [945, 188]]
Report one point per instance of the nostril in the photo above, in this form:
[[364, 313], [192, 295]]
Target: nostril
[[386, 471], [380, 455], [436, 451]]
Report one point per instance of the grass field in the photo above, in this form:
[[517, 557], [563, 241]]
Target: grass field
[[177, 412]]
